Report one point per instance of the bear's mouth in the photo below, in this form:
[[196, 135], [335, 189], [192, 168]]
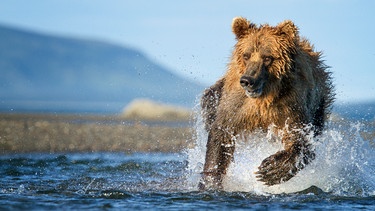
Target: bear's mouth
[[254, 93], [254, 87]]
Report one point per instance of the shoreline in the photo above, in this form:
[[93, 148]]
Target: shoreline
[[53, 133], [71, 133]]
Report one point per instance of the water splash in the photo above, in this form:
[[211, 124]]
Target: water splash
[[344, 163]]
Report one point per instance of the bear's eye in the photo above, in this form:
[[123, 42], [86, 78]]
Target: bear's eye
[[267, 59], [246, 56]]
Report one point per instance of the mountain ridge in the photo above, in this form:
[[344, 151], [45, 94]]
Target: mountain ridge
[[43, 68]]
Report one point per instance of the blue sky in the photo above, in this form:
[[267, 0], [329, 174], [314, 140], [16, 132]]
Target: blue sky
[[194, 38]]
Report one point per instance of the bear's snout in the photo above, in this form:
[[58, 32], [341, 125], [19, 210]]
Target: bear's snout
[[253, 87], [247, 81]]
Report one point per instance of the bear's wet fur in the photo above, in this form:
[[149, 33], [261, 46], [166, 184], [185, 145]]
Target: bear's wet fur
[[276, 80]]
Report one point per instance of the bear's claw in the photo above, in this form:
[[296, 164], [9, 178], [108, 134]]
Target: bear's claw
[[278, 168]]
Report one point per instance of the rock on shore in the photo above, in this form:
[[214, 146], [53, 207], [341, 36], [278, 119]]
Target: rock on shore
[[144, 109]]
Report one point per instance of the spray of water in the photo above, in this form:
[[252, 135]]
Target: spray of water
[[344, 163]]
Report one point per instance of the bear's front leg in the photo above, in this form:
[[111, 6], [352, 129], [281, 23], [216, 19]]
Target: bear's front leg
[[283, 165], [209, 103], [219, 154]]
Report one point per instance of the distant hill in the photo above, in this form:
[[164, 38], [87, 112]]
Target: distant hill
[[48, 73]]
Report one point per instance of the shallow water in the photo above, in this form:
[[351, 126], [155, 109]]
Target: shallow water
[[136, 181], [341, 177]]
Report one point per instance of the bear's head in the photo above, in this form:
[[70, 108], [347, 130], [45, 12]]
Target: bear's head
[[263, 54]]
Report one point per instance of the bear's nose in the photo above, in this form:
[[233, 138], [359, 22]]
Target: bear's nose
[[247, 81]]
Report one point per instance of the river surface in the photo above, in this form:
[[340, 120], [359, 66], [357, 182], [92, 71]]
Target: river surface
[[342, 177]]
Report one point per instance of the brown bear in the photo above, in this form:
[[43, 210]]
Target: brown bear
[[275, 81]]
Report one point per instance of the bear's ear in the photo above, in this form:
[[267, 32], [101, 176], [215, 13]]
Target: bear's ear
[[241, 26], [288, 28]]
